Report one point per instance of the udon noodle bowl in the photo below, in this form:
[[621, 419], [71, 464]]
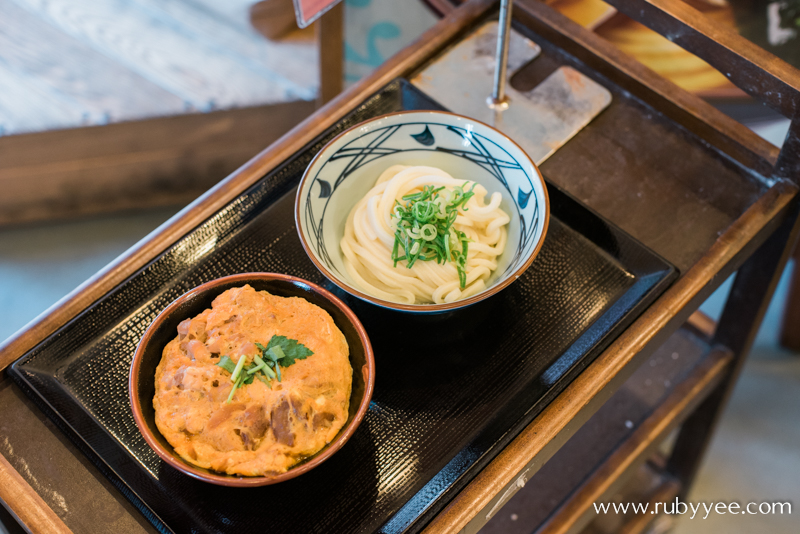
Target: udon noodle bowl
[[370, 242]]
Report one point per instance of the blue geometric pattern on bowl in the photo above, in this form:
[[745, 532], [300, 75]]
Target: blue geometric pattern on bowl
[[349, 166]]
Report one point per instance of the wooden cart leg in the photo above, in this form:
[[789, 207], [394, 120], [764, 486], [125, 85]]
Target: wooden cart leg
[[790, 326], [330, 36], [789, 166], [750, 295]]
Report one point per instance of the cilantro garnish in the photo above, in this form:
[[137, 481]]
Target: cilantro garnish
[[290, 350], [424, 228], [266, 366], [226, 363]]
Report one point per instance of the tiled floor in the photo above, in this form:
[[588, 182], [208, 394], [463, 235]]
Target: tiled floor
[[121, 60], [39, 264]]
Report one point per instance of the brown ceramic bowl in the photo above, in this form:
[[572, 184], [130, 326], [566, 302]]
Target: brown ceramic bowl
[[141, 384]]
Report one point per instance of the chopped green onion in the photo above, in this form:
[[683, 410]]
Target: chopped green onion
[[238, 369], [258, 367], [413, 234], [255, 369], [424, 228], [428, 232], [236, 385], [279, 348], [277, 352], [269, 372]]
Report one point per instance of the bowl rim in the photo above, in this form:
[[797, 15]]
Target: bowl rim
[[421, 308], [169, 456]]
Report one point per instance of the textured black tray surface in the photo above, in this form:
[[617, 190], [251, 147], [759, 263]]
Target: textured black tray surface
[[451, 390]]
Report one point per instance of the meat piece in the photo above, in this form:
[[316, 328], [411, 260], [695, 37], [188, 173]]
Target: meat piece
[[224, 414], [195, 422], [299, 408], [255, 421], [177, 378], [197, 351], [215, 346], [196, 378], [183, 329], [197, 329], [281, 425], [322, 420]]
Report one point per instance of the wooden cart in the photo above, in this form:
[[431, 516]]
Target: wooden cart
[[690, 183]]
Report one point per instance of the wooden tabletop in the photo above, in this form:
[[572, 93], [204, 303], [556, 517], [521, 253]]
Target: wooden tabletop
[[687, 181]]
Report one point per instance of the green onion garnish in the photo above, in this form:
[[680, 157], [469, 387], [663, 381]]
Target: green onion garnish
[[259, 365], [424, 228], [238, 369], [269, 372], [275, 353], [280, 351], [236, 385]]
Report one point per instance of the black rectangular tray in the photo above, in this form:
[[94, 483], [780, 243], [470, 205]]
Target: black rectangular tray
[[441, 409]]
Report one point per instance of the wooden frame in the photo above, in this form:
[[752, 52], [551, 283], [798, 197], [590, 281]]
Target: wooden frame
[[755, 244], [757, 71], [330, 35], [683, 400]]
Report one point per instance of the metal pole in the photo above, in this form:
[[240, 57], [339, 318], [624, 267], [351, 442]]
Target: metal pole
[[498, 98]]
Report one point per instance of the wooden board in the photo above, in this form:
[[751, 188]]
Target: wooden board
[[42, 107], [57, 489], [132, 165]]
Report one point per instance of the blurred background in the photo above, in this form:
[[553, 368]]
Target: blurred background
[[115, 114]]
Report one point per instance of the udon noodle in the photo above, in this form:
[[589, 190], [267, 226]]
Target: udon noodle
[[369, 238]]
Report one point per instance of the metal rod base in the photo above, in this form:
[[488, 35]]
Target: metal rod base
[[501, 58]]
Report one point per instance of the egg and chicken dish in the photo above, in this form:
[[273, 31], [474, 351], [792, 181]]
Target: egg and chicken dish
[[253, 385]]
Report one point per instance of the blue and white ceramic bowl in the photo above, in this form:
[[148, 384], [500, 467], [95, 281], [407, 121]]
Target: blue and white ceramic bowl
[[347, 168]]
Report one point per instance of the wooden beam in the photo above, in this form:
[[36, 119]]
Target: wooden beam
[[330, 35], [744, 310], [690, 111], [640, 522], [702, 325], [788, 165], [608, 477], [165, 161], [760, 74]]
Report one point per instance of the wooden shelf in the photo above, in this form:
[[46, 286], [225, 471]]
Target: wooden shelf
[[618, 467], [615, 442]]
